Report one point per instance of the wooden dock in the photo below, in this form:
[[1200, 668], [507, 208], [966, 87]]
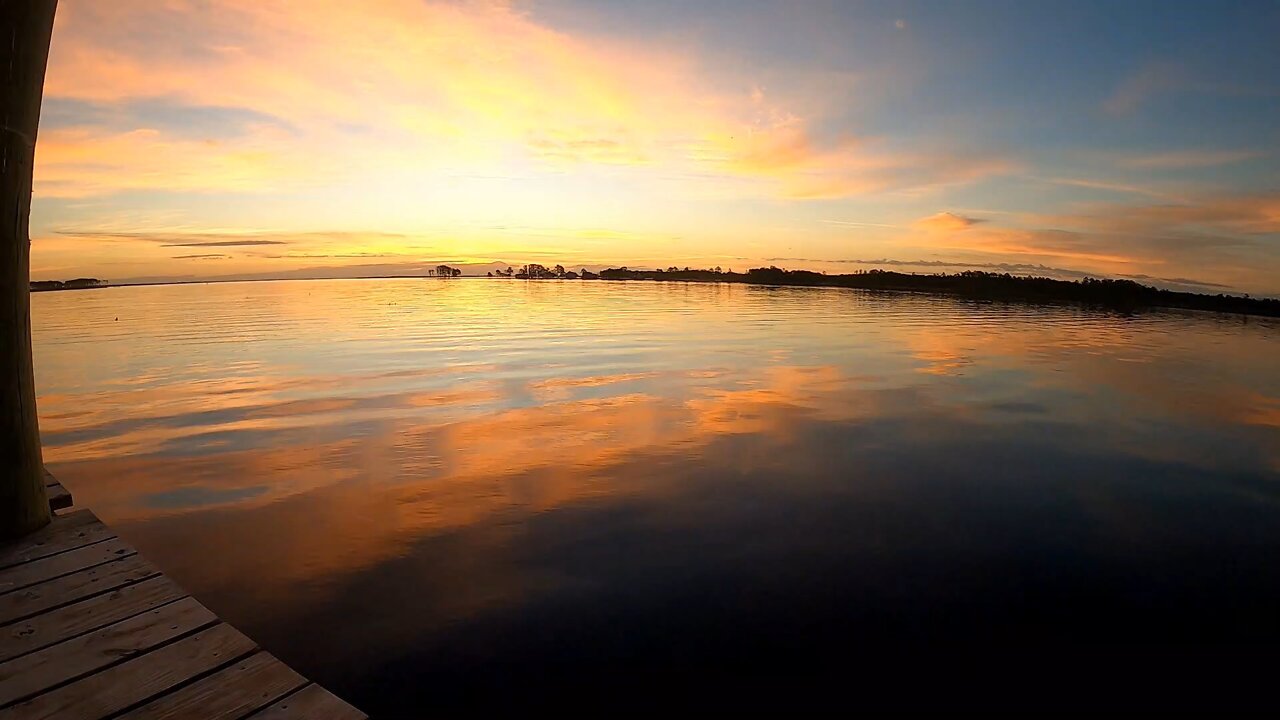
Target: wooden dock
[[59, 498], [91, 630]]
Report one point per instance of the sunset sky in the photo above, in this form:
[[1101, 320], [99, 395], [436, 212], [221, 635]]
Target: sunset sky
[[232, 138]]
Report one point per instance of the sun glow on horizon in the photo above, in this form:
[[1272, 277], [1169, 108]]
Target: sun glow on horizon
[[246, 138]]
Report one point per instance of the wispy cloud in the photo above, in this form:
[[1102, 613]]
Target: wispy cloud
[[1152, 79], [1244, 215], [853, 167], [575, 149], [1106, 185], [184, 238], [1163, 76], [226, 243], [850, 223], [1189, 158]]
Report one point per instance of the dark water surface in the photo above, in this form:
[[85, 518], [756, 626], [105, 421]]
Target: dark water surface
[[473, 495]]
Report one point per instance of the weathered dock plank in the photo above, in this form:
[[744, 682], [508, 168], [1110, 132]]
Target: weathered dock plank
[[35, 672], [310, 703], [67, 622], [233, 692], [122, 686], [71, 531], [69, 588], [90, 630], [64, 563]]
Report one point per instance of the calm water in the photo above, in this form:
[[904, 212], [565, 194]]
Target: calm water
[[498, 494]]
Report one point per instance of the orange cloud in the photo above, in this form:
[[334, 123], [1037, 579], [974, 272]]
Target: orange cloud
[[1039, 244], [410, 90], [946, 222], [783, 149], [78, 162], [1248, 214], [1230, 233]]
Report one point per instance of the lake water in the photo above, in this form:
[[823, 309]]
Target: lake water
[[485, 494]]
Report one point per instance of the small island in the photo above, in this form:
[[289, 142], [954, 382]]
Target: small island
[[76, 284]]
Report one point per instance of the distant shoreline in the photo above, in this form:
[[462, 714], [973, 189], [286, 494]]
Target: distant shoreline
[[89, 287], [1124, 295], [221, 281]]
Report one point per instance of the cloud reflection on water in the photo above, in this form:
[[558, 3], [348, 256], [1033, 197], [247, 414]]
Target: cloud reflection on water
[[471, 456]]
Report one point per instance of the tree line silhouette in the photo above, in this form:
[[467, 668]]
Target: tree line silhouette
[[977, 284], [535, 271], [1116, 294], [75, 284]]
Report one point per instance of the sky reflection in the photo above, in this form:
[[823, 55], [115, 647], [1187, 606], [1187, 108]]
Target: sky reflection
[[603, 484]]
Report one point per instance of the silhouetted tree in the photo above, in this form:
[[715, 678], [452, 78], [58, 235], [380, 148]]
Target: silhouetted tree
[[74, 284]]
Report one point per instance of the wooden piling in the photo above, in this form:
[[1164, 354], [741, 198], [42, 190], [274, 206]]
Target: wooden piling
[[26, 27]]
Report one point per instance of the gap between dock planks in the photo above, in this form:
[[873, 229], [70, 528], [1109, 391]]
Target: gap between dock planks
[[90, 630]]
